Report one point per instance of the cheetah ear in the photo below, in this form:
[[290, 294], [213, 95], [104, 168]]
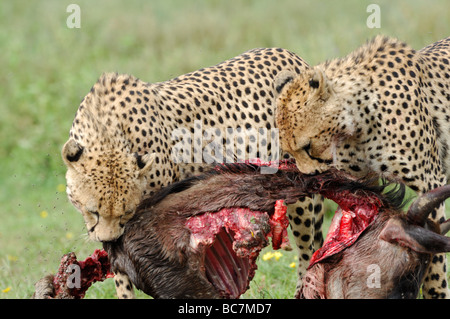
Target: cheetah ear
[[71, 152], [282, 79], [319, 84], [144, 162]]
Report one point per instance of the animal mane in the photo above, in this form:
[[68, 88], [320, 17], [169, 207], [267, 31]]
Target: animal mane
[[390, 195], [177, 187]]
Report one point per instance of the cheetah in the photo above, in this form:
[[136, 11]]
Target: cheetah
[[383, 109], [129, 138]]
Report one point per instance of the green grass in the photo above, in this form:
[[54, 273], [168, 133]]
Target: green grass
[[47, 68]]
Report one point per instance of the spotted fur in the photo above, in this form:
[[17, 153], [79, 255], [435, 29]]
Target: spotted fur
[[121, 141], [384, 109]]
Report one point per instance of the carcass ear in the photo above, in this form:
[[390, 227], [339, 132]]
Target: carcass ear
[[319, 84], [415, 237], [282, 79], [71, 152], [445, 227], [144, 162]]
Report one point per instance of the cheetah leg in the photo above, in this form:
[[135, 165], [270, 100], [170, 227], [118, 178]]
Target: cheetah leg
[[319, 212], [435, 284], [306, 218], [124, 287]]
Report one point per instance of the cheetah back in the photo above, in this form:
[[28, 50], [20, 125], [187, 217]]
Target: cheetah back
[[123, 135]]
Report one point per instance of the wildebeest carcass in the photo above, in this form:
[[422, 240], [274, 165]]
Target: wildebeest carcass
[[388, 260], [200, 237]]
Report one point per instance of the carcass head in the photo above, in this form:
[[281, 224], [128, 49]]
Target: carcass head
[[388, 259]]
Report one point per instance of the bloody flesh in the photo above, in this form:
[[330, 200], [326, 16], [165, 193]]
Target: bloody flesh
[[232, 239], [75, 277], [354, 214]]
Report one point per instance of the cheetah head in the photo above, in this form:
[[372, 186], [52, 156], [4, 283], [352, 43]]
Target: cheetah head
[[105, 187], [311, 119]]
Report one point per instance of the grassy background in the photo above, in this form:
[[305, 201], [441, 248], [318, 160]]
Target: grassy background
[[47, 68]]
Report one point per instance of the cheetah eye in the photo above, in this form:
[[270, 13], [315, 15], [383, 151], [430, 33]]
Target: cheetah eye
[[129, 212], [95, 213]]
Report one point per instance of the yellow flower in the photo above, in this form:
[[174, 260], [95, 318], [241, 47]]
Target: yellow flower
[[44, 214], [267, 256], [12, 258], [61, 188], [292, 265], [7, 289], [277, 255], [69, 235]]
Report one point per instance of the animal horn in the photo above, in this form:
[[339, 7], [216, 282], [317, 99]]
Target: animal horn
[[419, 210]]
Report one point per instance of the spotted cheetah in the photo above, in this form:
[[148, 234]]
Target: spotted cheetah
[[128, 139], [384, 109]]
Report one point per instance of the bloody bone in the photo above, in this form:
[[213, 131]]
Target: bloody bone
[[65, 285]]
